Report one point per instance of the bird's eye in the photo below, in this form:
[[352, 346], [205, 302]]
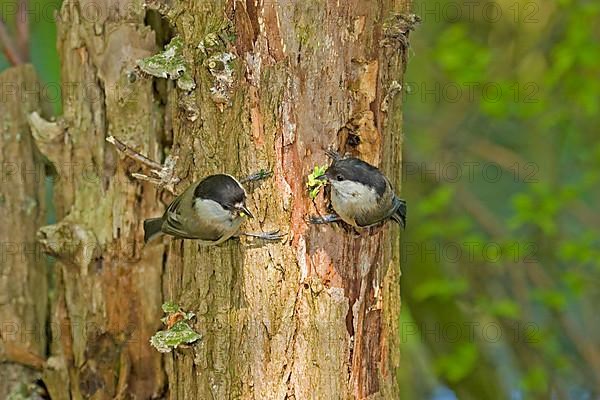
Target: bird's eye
[[339, 177]]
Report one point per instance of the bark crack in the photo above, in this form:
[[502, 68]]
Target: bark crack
[[287, 375]]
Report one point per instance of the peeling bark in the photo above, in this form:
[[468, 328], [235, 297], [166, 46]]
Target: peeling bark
[[276, 83], [314, 317], [108, 292], [23, 270]]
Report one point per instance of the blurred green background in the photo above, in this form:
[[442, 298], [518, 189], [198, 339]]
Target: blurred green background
[[501, 257], [42, 31]]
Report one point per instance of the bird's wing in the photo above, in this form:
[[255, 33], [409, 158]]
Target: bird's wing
[[390, 206], [174, 223], [399, 213]]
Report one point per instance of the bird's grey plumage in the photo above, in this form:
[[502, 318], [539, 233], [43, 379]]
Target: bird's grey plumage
[[361, 195], [208, 211]]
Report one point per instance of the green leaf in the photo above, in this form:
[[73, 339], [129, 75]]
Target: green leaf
[[180, 333], [313, 183]]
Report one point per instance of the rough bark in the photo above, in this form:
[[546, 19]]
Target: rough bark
[[108, 291], [312, 317], [316, 316], [23, 271]]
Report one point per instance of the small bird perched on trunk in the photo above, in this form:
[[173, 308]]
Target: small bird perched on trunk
[[360, 195], [210, 211]]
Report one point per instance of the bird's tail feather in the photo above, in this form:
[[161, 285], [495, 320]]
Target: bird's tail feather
[[152, 228], [400, 214]]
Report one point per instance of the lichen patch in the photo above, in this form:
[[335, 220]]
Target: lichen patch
[[220, 66], [170, 64]]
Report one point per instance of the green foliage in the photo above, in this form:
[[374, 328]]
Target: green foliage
[[456, 366], [528, 103], [315, 182], [553, 299], [443, 289], [438, 200], [539, 208], [583, 249], [535, 380], [505, 308], [454, 46], [178, 332], [543, 60], [42, 45]]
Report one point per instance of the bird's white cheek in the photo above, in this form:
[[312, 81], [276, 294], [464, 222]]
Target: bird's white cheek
[[353, 198], [346, 189]]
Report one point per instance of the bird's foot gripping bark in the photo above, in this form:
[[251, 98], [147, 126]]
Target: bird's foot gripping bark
[[271, 235], [257, 176], [325, 219], [165, 173]]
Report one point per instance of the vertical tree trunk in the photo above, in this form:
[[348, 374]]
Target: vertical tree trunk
[[108, 292], [23, 273], [276, 83]]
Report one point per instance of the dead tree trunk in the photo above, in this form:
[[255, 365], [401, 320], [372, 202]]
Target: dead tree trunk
[[108, 291], [267, 85], [23, 271]]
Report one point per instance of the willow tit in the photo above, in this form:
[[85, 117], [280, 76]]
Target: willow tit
[[361, 195], [210, 210]]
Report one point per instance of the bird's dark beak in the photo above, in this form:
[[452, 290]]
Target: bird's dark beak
[[328, 175], [244, 210], [322, 178]]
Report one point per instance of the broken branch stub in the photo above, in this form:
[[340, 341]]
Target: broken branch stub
[[165, 172]]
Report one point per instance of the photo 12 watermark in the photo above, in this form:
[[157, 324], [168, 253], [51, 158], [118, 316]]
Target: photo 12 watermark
[[454, 332], [524, 12], [471, 92], [512, 252], [90, 92], [16, 331], [469, 171]]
